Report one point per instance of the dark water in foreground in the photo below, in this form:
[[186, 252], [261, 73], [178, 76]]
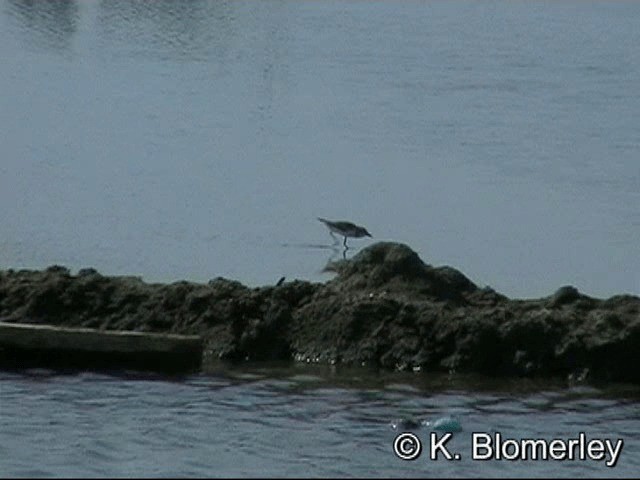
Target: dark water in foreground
[[292, 422]]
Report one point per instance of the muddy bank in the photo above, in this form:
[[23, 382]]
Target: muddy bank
[[384, 308]]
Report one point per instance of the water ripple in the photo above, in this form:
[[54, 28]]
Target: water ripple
[[98, 425]]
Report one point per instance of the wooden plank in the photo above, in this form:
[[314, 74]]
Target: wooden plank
[[34, 344], [25, 335]]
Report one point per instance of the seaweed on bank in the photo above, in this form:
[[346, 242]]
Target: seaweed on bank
[[385, 308]]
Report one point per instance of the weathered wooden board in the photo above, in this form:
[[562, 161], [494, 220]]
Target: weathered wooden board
[[46, 345]]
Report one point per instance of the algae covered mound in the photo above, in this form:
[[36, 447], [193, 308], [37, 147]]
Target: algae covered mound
[[384, 308]]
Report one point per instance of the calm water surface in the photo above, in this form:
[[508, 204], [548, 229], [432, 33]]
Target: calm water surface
[[191, 139], [292, 422]]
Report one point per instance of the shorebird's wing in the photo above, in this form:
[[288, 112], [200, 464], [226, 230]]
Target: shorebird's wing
[[343, 225]]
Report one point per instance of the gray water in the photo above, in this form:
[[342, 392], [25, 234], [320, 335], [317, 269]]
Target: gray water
[[195, 139], [293, 422]]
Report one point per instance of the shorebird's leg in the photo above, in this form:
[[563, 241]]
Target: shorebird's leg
[[345, 243]]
